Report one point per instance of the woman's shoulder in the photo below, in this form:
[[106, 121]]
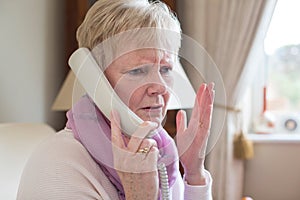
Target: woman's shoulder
[[62, 140], [62, 148], [62, 165]]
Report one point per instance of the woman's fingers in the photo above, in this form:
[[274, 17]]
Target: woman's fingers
[[116, 134], [210, 93], [140, 154], [136, 139], [140, 134], [206, 106], [181, 121], [196, 110]]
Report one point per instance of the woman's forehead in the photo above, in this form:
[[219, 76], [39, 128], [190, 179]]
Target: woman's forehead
[[147, 55]]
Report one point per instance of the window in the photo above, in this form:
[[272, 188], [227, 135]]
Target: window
[[281, 109]]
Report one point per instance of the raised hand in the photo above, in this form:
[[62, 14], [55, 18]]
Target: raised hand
[[192, 139]]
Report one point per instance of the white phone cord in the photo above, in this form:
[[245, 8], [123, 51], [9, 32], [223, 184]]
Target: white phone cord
[[163, 176]]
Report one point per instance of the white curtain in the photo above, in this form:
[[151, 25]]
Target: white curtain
[[232, 32]]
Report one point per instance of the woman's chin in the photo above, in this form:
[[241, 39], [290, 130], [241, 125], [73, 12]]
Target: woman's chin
[[156, 117], [157, 120]]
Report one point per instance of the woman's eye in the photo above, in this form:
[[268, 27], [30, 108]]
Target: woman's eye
[[165, 70], [137, 71]]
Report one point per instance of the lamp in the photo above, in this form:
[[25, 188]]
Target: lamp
[[182, 98]]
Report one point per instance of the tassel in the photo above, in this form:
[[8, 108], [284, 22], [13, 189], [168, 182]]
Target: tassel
[[243, 147]]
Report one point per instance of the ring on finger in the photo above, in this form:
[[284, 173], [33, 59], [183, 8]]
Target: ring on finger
[[143, 150]]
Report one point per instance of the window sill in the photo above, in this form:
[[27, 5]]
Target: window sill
[[274, 138]]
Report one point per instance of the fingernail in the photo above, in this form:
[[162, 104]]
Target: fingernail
[[212, 94], [153, 125], [149, 123], [183, 113]]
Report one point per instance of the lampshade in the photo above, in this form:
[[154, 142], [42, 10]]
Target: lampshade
[[183, 94]]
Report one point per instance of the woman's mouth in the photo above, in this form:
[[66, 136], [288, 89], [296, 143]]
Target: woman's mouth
[[153, 109], [152, 113]]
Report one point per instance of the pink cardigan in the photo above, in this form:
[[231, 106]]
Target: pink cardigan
[[61, 168]]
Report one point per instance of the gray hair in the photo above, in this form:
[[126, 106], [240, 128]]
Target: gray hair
[[114, 27], [107, 18]]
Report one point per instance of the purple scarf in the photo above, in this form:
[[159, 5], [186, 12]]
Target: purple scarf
[[92, 129]]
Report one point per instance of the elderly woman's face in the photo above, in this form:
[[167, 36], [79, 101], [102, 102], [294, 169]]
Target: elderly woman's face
[[142, 79]]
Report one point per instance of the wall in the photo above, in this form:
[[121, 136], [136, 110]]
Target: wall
[[32, 60], [273, 173]]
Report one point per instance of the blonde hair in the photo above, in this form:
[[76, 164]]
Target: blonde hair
[[107, 18]]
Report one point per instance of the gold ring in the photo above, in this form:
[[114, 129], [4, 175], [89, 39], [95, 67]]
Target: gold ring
[[143, 150]]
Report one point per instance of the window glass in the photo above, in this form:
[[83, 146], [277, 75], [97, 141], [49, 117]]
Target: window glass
[[282, 70]]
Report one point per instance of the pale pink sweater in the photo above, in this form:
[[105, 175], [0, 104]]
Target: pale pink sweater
[[61, 169]]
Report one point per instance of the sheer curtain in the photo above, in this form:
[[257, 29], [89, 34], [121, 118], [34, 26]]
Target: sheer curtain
[[232, 32]]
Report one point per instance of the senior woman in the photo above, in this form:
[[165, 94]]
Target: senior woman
[[92, 158]]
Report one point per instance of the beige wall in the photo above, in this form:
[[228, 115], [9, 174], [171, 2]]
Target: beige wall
[[32, 60], [273, 173]]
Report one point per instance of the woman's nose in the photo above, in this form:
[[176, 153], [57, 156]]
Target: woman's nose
[[156, 85]]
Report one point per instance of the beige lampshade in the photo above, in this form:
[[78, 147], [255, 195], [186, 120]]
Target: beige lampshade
[[184, 93], [63, 100]]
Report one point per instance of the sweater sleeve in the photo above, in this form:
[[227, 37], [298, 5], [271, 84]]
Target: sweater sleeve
[[61, 169], [199, 192], [182, 191]]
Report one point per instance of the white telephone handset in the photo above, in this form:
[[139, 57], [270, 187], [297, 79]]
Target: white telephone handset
[[99, 89]]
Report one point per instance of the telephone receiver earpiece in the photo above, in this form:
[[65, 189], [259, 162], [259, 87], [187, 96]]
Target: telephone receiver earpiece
[[100, 91]]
